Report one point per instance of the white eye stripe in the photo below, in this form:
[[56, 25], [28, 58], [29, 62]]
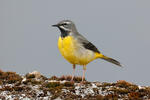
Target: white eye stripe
[[67, 23], [62, 27]]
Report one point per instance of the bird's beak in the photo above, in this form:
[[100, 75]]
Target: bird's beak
[[56, 25]]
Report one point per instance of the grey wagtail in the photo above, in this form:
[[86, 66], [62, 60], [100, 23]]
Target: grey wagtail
[[76, 49]]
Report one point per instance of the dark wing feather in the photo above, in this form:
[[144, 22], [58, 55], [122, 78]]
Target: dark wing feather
[[86, 43], [90, 46]]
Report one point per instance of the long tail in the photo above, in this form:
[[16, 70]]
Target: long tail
[[108, 59]]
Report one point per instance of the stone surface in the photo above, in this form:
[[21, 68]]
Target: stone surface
[[34, 86]]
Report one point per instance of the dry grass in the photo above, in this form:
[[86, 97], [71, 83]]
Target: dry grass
[[123, 83]]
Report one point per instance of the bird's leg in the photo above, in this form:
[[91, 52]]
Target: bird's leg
[[74, 66], [83, 76]]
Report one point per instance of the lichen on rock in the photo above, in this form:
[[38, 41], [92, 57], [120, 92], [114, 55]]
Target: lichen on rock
[[36, 86]]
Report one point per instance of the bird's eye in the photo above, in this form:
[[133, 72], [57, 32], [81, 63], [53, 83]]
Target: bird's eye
[[63, 24]]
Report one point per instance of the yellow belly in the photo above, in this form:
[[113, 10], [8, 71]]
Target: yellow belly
[[72, 51]]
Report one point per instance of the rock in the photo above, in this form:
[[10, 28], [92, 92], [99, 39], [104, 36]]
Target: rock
[[34, 86], [36, 74]]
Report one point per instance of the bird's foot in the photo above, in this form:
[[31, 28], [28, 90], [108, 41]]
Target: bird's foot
[[72, 81]]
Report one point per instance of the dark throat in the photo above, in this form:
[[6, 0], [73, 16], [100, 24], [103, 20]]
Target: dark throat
[[64, 33]]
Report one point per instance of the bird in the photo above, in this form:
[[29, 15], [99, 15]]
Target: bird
[[76, 49]]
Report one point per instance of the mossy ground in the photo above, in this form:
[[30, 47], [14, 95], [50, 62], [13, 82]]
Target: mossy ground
[[33, 87]]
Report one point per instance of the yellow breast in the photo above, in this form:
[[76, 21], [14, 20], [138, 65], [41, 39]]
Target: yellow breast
[[74, 52]]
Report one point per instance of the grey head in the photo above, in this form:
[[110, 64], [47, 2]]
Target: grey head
[[66, 27]]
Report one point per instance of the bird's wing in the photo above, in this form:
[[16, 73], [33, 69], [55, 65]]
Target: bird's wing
[[86, 44]]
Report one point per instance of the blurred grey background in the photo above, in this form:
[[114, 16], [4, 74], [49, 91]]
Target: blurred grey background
[[119, 29]]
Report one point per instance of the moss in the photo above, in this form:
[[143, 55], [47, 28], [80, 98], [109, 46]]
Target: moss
[[106, 84], [122, 91], [35, 82], [148, 92], [99, 97], [7, 88], [96, 90], [15, 88], [134, 96], [29, 76], [55, 91], [53, 87], [103, 88], [69, 77], [44, 78], [52, 84], [18, 88], [68, 84], [27, 88], [89, 96], [32, 81], [9, 77], [110, 96], [145, 92], [78, 79], [54, 78], [62, 78], [70, 96], [133, 88], [1, 82], [1, 72], [119, 90], [123, 83], [55, 96], [18, 83]]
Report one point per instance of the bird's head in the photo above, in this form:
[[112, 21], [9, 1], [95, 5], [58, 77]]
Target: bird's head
[[66, 26]]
